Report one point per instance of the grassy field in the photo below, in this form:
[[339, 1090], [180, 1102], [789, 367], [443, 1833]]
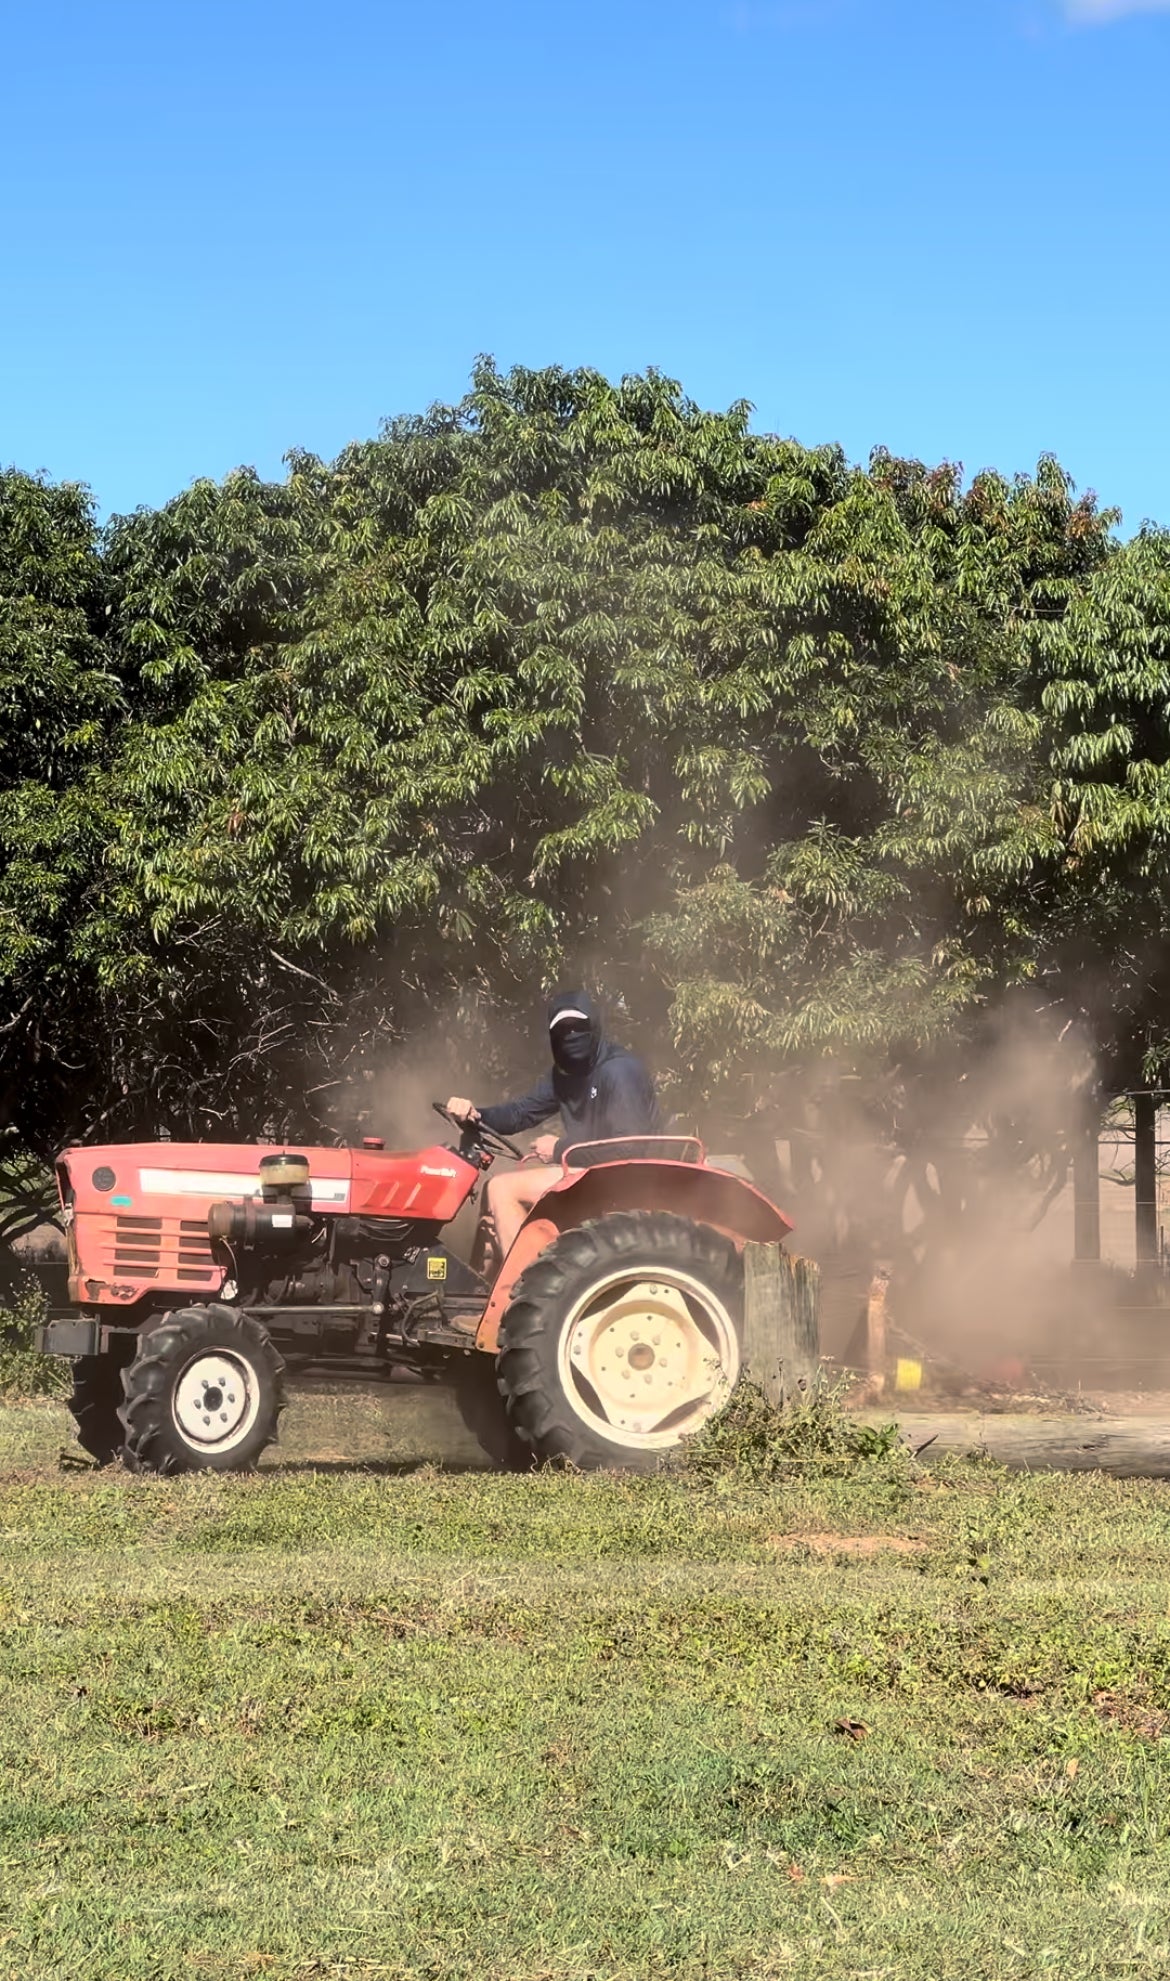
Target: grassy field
[[357, 1722]]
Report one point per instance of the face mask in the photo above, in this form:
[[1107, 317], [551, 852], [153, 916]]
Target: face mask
[[572, 1050]]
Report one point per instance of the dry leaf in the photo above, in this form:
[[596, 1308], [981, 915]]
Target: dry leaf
[[854, 1729]]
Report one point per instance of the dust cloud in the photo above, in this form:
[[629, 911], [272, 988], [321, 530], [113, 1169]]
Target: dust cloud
[[965, 1191], [469, 1047], [956, 1175]]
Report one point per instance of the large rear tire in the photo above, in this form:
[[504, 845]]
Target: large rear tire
[[622, 1340], [485, 1414], [203, 1394]]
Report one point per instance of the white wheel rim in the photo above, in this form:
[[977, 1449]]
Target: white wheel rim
[[645, 1357], [216, 1400]]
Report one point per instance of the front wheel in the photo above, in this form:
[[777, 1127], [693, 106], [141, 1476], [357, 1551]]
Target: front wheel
[[203, 1394], [93, 1405], [622, 1339]]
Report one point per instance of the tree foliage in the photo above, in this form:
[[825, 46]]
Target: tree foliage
[[817, 770], [60, 704]]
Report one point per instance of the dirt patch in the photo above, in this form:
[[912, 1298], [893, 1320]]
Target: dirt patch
[[848, 1544], [1147, 1722]]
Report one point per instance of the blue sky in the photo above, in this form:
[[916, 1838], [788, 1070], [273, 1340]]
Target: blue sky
[[229, 226]]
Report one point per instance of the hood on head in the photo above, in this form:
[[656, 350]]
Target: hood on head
[[577, 1054]]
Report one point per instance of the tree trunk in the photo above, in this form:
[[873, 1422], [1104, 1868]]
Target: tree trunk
[[1145, 1168], [781, 1331], [1087, 1193]]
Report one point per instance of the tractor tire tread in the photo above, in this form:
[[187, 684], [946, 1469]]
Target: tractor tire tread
[[537, 1407], [147, 1382]]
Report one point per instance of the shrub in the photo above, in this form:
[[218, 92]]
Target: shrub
[[23, 1371], [758, 1441]]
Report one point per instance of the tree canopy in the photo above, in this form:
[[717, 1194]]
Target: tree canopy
[[815, 770]]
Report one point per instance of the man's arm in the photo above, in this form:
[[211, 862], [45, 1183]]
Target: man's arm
[[513, 1117]]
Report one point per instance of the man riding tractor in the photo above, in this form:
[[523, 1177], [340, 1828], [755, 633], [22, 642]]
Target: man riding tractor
[[606, 1330], [599, 1089]]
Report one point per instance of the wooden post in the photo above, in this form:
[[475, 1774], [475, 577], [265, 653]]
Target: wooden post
[[876, 1318], [781, 1330]]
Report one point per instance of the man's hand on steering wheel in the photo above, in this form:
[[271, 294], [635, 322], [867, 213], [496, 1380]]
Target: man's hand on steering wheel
[[462, 1113], [465, 1116]]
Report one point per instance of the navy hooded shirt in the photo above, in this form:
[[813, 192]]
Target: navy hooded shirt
[[598, 1088]]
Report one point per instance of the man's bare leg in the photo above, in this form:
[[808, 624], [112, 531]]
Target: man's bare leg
[[511, 1197]]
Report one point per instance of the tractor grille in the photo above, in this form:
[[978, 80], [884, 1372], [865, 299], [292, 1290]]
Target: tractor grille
[[174, 1251], [138, 1245]]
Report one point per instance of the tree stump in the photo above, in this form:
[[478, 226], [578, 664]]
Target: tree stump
[[781, 1330]]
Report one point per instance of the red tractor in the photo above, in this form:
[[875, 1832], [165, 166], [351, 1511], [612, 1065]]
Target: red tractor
[[201, 1272]]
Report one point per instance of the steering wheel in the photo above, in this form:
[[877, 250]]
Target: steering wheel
[[480, 1132]]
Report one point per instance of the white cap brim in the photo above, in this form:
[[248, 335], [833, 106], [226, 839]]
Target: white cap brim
[[563, 1015]]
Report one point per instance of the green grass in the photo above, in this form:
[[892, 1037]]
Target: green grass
[[376, 1722]]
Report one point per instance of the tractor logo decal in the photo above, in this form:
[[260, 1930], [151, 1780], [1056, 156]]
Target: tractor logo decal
[[426, 1170]]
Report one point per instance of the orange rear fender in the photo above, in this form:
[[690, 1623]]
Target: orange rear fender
[[706, 1196]]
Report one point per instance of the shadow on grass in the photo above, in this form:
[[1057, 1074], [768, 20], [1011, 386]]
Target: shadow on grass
[[378, 1468]]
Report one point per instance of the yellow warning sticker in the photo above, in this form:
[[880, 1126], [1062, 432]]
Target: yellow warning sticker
[[437, 1267]]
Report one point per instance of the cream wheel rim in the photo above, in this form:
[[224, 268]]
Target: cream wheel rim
[[216, 1400], [645, 1357]]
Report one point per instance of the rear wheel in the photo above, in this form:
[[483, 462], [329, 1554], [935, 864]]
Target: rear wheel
[[485, 1414], [622, 1339], [203, 1394]]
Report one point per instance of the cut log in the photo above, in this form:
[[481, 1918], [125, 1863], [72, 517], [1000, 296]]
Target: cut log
[[781, 1325], [1127, 1447]]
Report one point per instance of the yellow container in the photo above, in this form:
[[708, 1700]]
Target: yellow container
[[907, 1374]]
